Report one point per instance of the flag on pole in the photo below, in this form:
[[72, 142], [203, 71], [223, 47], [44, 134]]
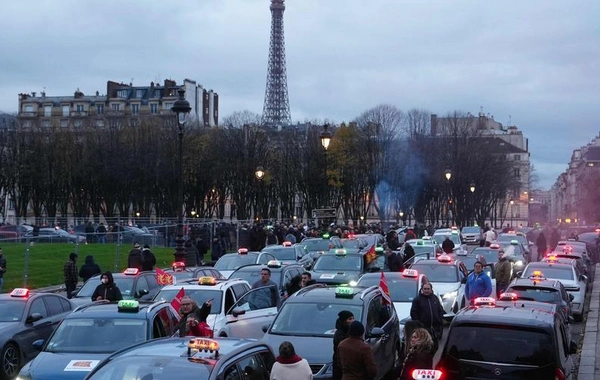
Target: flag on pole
[[385, 292], [371, 255], [176, 303], [163, 278]]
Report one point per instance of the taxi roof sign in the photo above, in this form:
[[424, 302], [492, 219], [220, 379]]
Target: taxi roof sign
[[178, 266], [432, 374], [444, 258], [128, 305], [484, 301], [203, 344], [378, 249], [131, 271], [274, 264], [243, 251], [325, 236], [340, 252], [420, 242], [495, 246], [287, 243], [20, 292], [426, 238], [344, 292], [207, 280], [508, 296], [514, 242], [410, 273]]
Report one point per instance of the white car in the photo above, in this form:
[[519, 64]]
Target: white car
[[237, 311], [440, 235], [229, 262]]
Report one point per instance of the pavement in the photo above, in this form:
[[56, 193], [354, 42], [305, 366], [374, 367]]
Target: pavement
[[589, 363]]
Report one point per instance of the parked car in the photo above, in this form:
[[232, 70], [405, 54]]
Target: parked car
[[55, 235]]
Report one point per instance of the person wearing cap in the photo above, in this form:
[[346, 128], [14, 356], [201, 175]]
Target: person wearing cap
[[2, 268], [135, 258], [355, 356], [71, 274], [345, 318]]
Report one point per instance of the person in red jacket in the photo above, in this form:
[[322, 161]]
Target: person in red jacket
[[193, 318]]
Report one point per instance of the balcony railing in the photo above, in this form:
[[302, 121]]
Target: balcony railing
[[28, 114], [79, 113]]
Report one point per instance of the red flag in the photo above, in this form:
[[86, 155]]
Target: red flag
[[176, 302], [385, 292], [371, 255], [163, 278]]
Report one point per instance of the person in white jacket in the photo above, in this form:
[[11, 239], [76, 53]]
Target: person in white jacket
[[290, 366]]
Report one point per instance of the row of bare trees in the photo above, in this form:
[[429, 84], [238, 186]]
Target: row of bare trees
[[384, 159]]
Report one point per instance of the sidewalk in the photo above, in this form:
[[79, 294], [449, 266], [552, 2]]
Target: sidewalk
[[589, 363]]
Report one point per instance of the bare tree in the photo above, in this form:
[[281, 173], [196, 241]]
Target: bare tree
[[240, 118]]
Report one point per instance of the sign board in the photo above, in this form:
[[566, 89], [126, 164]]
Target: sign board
[[324, 213]]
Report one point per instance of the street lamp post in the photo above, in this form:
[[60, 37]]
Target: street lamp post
[[326, 137], [402, 217], [512, 202], [182, 108], [448, 176], [259, 173]]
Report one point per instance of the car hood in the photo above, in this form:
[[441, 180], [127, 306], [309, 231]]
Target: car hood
[[316, 350], [8, 326], [402, 309], [442, 288], [65, 366], [334, 277]]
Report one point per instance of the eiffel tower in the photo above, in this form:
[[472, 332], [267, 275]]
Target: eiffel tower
[[276, 110]]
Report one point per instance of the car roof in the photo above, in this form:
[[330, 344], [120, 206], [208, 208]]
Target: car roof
[[254, 267], [453, 262], [105, 309], [320, 292], [545, 284], [31, 294], [505, 316]]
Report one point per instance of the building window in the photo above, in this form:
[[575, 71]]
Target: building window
[[79, 107], [64, 123], [153, 108], [65, 110], [167, 106], [47, 111], [116, 107], [135, 109], [517, 157], [139, 93], [78, 123], [122, 94], [100, 109], [517, 173], [99, 123], [29, 108], [157, 93], [46, 124]]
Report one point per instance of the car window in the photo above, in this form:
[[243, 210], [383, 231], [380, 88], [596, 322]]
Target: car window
[[239, 290], [529, 293], [334, 263], [53, 305], [252, 366], [158, 328], [66, 305], [229, 299], [12, 310], [437, 272], [199, 295], [151, 281], [37, 306], [315, 319], [260, 298], [232, 373], [377, 314], [141, 284], [167, 323], [265, 258], [563, 347], [510, 345]]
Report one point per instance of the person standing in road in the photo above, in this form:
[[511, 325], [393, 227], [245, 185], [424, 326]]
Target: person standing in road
[[479, 283], [101, 231], [427, 309], [410, 234], [149, 258], [393, 260], [420, 354], [193, 318], [70, 274], [89, 269], [265, 280], [191, 254], [289, 366], [2, 268], [356, 358], [489, 237], [448, 245], [107, 290], [541, 245], [503, 273], [135, 258], [345, 318]]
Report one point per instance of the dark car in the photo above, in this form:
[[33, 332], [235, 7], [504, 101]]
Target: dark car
[[130, 235], [229, 262], [181, 272], [285, 276], [55, 235], [307, 319], [185, 358], [342, 268], [26, 317], [20, 229], [92, 332], [132, 284], [287, 253], [487, 342]]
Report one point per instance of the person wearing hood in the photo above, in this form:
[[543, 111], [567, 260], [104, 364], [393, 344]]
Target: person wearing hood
[[541, 245], [289, 366], [135, 258], [503, 272], [107, 290], [356, 357], [89, 269], [345, 318]]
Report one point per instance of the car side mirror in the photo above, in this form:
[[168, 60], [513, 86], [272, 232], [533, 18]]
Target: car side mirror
[[238, 311], [519, 273], [463, 280], [571, 297], [573, 348], [583, 278], [265, 328], [34, 317], [38, 344], [142, 292], [376, 332]]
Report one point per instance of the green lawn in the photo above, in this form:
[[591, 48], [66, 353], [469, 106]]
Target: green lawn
[[46, 261]]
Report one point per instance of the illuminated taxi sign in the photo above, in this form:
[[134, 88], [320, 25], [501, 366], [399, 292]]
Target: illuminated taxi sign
[[207, 280], [484, 301], [243, 251], [274, 264], [20, 292], [454, 232], [444, 258], [178, 266], [325, 236], [344, 292], [509, 296], [340, 252], [420, 242], [128, 305], [379, 249], [410, 273], [432, 374], [495, 246], [131, 271], [551, 258], [454, 228], [426, 238], [287, 243], [537, 275], [203, 345], [514, 242]]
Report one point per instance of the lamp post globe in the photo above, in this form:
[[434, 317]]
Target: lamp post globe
[[259, 173], [181, 108], [472, 187], [326, 136], [448, 174]]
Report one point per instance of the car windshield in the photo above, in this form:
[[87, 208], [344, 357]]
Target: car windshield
[[554, 272], [532, 293], [490, 255], [439, 238], [282, 253], [401, 289], [338, 263], [513, 249], [437, 272], [182, 275], [234, 261], [507, 345], [109, 335], [316, 244], [423, 249], [12, 310], [470, 230], [62, 233], [198, 295], [351, 243], [310, 319], [506, 238], [153, 367], [253, 275]]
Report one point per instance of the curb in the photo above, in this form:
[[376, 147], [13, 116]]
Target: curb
[[588, 357]]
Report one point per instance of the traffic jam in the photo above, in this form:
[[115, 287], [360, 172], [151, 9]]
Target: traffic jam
[[326, 308]]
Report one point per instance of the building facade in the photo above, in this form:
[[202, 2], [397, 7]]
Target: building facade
[[122, 102]]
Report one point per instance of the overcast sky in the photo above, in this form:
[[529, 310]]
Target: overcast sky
[[535, 60]]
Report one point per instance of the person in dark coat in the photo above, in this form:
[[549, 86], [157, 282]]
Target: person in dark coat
[[191, 254], [541, 245], [149, 258], [135, 259], [448, 245], [107, 290], [70, 274], [554, 239], [393, 260], [89, 269], [409, 253], [345, 318], [355, 355], [202, 248], [193, 317], [420, 353], [427, 309], [217, 249]]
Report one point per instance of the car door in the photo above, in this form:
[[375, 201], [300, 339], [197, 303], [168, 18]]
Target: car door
[[33, 331], [254, 309], [382, 316]]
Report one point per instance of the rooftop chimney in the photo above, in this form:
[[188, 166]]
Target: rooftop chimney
[[33, 94]]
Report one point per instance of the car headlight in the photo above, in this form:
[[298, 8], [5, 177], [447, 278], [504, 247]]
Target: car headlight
[[519, 263], [450, 295], [353, 283]]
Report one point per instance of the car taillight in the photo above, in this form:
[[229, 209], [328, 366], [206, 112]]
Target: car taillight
[[558, 374]]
